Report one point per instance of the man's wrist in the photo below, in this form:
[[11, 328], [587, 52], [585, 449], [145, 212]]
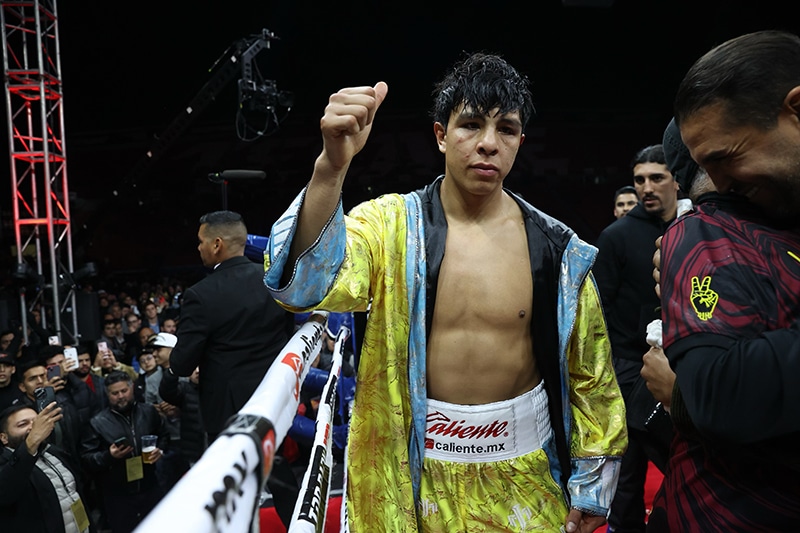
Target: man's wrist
[[32, 449]]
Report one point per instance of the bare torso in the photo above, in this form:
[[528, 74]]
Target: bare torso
[[479, 348]]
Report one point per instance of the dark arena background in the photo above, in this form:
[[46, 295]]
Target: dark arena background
[[603, 74], [127, 121]]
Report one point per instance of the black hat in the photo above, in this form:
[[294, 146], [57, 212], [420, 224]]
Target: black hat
[[7, 358], [679, 161]]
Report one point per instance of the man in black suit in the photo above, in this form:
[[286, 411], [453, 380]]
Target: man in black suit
[[230, 326]]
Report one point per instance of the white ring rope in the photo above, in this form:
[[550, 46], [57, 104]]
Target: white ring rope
[[221, 492], [311, 506]]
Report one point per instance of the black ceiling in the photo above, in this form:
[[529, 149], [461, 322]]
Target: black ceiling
[[603, 79]]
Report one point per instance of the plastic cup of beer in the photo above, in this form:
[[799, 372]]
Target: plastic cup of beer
[[149, 443]]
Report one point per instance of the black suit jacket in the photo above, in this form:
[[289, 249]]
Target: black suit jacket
[[232, 329]]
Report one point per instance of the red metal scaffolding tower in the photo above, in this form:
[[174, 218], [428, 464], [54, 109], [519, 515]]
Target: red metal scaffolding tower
[[35, 119]]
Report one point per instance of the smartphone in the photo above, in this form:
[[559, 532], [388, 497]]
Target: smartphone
[[122, 441], [102, 346], [71, 354], [52, 340], [44, 397], [53, 371]]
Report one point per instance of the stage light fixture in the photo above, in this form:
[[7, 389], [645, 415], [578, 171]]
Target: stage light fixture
[[72, 281], [87, 271], [23, 275]]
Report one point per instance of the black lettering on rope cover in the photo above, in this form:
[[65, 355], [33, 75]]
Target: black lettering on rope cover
[[316, 496], [330, 399], [308, 349], [298, 362], [223, 503]]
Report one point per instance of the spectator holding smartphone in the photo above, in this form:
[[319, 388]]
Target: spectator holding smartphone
[[67, 432], [105, 362], [112, 451], [67, 386], [113, 342], [35, 477]]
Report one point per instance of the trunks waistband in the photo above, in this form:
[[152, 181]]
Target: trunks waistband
[[487, 432]]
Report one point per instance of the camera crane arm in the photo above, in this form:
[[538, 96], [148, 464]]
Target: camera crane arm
[[237, 58]]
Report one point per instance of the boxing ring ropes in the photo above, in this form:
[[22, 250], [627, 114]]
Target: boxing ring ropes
[[221, 492]]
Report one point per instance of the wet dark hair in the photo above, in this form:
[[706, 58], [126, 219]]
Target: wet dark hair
[[482, 82], [750, 74]]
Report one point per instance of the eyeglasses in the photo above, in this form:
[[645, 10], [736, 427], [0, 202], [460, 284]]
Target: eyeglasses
[[134, 321]]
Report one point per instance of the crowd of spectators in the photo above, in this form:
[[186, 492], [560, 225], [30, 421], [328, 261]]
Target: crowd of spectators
[[81, 447], [72, 422]]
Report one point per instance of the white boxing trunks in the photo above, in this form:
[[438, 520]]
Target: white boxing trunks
[[485, 467], [488, 432]]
